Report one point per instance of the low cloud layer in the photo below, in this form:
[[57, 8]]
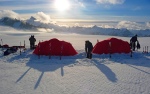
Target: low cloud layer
[[43, 17], [132, 25], [8, 13], [40, 16], [148, 24]]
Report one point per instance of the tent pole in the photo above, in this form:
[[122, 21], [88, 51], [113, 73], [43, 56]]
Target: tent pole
[[110, 49], [61, 51], [39, 50], [50, 51]]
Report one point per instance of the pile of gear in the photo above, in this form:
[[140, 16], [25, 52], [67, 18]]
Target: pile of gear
[[10, 50]]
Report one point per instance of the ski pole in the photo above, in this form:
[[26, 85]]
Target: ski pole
[[147, 49], [24, 46], [2, 44], [20, 48]]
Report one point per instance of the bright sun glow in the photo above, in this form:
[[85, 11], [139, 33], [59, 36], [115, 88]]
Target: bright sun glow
[[62, 5]]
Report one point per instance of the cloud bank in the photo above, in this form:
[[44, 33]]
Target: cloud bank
[[40, 16], [8, 13], [128, 24], [148, 24], [132, 25], [43, 17], [42, 22]]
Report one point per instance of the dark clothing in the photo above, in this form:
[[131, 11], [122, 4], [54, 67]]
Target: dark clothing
[[7, 52], [133, 39], [132, 42], [88, 49], [138, 45], [10, 50], [32, 42]]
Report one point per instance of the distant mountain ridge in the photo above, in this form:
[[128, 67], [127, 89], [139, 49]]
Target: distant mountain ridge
[[17, 24], [33, 24]]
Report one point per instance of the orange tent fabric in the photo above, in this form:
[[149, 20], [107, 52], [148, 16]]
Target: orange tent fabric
[[55, 47], [111, 45]]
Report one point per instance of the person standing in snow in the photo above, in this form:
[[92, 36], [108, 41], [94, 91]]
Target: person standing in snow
[[32, 42], [133, 40], [88, 49]]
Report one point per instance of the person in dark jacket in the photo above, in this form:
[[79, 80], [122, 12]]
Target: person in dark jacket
[[88, 49], [32, 42], [133, 40]]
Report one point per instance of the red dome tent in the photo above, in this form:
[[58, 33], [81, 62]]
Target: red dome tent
[[54, 47], [110, 46]]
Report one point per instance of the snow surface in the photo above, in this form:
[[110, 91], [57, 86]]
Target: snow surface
[[26, 74]]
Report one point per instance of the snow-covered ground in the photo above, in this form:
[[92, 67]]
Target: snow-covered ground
[[26, 74]]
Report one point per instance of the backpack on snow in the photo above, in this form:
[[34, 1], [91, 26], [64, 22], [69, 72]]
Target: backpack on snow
[[138, 45]]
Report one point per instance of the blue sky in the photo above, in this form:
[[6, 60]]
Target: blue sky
[[132, 10]]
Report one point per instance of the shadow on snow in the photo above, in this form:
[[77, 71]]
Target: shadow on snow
[[44, 64]]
